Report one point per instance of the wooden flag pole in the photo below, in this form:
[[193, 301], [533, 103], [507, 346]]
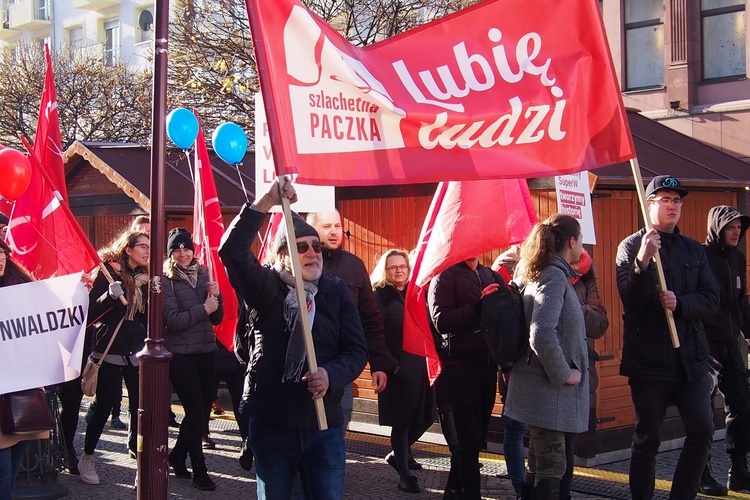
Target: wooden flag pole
[[312, 362], [657, 259]]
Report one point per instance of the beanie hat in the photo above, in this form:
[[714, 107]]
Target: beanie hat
[[179, 237], [301, 228]]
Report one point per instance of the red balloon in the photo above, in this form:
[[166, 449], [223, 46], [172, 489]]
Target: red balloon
[[15, 174]]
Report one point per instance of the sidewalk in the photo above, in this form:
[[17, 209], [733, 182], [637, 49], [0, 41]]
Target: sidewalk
[[367, 474]]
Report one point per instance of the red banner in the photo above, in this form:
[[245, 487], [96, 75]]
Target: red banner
[[48, 144], [208, 227], [44, 234], [503, 89], [504, 212]]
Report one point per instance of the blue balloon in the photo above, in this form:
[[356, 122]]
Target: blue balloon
[[230, 142], [182, 127]]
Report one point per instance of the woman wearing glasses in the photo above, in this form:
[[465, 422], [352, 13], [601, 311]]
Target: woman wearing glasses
[[406, 403], [192, 306], [127, 261]]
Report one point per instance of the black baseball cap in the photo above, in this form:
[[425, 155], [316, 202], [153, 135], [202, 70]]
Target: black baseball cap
[[666, 183]]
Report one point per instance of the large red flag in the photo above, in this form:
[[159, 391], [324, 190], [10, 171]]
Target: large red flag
[[44, 234], [208, 227], [503, 89], [48, 144], [465, 219]]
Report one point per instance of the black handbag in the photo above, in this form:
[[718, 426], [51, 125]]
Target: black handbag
[[25, 412]]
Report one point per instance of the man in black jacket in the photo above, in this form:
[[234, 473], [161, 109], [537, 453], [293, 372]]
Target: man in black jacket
[[279, 388], [468, 381], [726, 228], [352, 271], [658, 374]]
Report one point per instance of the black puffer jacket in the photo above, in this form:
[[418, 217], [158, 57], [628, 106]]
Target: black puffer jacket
[[455, 310], [728, 265], [340, 345], [104, 315], [189, 328], [647, 348], [352, 271]]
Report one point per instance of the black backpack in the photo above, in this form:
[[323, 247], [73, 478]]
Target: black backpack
[[504, 324]]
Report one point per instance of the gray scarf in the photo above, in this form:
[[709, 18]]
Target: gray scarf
[[295, 349]]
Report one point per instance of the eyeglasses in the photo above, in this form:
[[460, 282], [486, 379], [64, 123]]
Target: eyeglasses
[[402, 267], [668, 201], [144, 246], [303, 247]]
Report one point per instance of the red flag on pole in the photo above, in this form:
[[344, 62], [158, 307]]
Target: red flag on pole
[[48, 143], [208, 227], [495, 90], [43, 233], [465, 219]]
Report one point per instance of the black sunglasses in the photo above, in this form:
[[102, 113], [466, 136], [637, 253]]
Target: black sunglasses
[[303, 247]]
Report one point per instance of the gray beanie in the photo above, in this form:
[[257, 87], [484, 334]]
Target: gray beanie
[[301, 228]]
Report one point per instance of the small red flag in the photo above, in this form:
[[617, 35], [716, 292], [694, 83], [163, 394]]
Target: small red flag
[[208, 227], [465, 219]]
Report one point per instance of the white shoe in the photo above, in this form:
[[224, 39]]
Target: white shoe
[[87, 469]]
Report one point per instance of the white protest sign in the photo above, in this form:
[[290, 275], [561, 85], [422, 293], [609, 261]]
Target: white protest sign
[[42, 330], [574, 199], [309, 198]]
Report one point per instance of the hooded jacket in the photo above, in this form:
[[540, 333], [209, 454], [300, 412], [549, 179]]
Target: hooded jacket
[[728, 266]]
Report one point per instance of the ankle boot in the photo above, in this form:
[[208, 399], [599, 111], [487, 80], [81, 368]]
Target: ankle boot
[[547, 489], [738, 477], [710, 486], [201, 480], [178, 466], [527, 487]]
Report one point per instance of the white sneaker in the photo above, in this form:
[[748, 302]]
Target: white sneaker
[[87, 469]]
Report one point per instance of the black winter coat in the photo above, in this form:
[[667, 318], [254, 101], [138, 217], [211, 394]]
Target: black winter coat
[[104, 315], [189, 328], [340, 345], [352, 271], [647, 351], [455, 310], [403, 400], [728, 266]]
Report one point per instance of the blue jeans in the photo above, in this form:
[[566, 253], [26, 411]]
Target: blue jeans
[[280, 452], [513, 450], [10, 462]]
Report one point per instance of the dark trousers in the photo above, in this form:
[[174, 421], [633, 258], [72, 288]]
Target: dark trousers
[[471, 390], [109, 388], [70, 395], [192, 377], [650, 401], [733, 385], [235, 381]]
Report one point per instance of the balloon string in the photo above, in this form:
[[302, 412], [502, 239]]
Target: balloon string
[[190, 166], [239, 174]]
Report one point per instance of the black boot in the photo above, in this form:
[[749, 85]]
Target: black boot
[[739, 477], [177, 463], [527, 487], [710, 486], [201, 480], [547, 489]]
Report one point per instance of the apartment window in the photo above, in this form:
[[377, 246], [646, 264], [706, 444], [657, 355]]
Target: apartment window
[[723, 26], [43, 10], [75, 41], [111, 42], [644, 44]]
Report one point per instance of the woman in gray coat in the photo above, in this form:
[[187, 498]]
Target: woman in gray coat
[[192, 305], [548, 389]]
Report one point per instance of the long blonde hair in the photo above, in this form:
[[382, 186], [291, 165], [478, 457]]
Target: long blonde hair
[[378, 276], [546, 240]]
